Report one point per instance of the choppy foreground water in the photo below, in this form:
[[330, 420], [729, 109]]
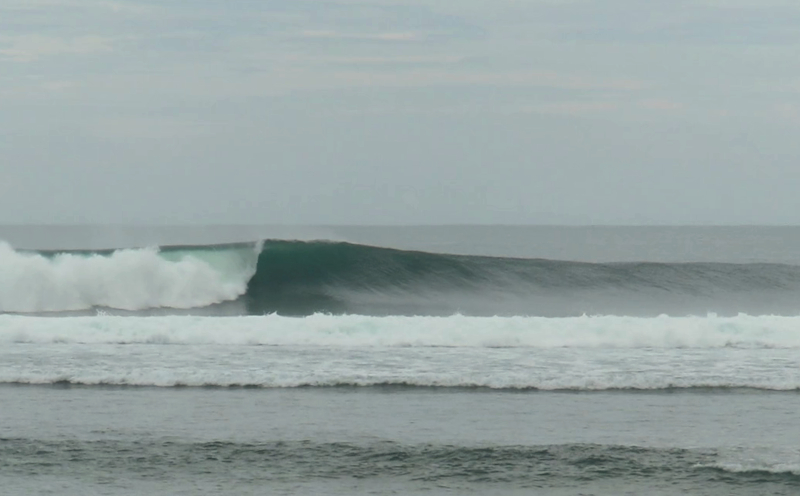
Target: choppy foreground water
[[392, 440]]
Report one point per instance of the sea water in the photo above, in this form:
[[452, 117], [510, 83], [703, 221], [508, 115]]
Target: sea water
[[457, 360]]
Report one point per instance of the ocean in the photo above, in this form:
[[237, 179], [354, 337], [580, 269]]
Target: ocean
[[428, 360]]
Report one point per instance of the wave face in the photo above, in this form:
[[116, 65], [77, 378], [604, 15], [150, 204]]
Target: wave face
[[302, 278]]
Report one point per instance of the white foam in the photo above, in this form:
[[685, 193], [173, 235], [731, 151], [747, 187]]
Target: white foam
[[742, 331], [133, 279], [504, 368], [777, 468], [757, 460], [584, 353]]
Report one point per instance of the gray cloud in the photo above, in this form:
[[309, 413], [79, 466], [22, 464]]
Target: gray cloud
[[376, 112]]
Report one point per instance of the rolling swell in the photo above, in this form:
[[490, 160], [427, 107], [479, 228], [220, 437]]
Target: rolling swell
[[303, 278], [453, 468]]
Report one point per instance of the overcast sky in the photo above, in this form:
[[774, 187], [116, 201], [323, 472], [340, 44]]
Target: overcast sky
[[400, 112]]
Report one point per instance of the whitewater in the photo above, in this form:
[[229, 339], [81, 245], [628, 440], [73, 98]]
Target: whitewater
[[585, 353], [125, 279]]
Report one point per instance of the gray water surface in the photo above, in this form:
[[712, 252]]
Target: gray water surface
[[111, 440]]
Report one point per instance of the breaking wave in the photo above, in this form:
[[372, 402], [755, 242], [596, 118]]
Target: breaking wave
[[302, 278], [131, 279]]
